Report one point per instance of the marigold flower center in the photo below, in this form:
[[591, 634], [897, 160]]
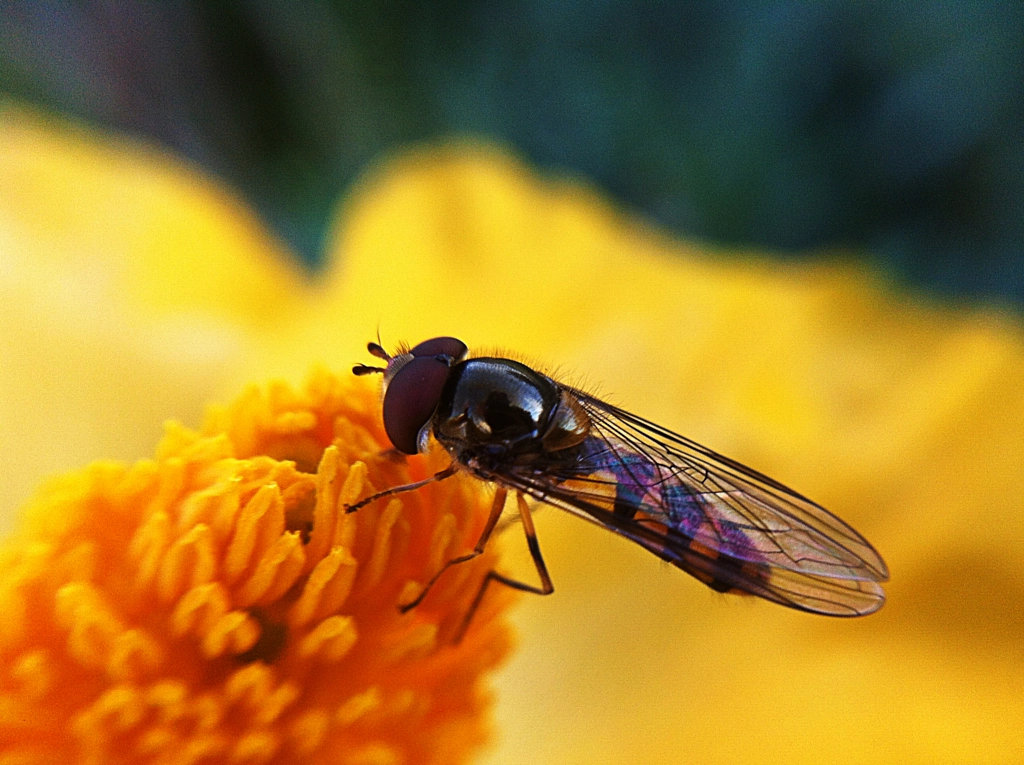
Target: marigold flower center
[[217, 603]]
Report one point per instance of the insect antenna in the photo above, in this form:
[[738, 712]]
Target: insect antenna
[[362, 369], [376, 349]]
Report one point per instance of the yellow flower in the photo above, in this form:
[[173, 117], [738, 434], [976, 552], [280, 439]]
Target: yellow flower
[[134, 290], [217, 604]]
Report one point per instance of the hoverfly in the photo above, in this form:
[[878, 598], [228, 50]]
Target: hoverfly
[[731, 527]]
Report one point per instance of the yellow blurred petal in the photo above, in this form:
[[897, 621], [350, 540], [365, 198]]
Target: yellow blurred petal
[[130, 288], [901, 416]]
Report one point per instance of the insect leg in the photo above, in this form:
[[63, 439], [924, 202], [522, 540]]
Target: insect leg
[[492, 520], [546, 587], [448, 472]]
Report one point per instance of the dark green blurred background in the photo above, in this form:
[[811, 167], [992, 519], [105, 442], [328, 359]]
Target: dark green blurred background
[[891, 127]]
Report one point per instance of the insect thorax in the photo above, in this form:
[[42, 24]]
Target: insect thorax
[[497, 414]]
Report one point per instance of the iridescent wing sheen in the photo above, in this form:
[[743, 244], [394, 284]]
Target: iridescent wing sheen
[[726, 524]]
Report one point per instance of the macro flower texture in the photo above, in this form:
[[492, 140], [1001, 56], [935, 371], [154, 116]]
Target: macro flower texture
[[217, 603], [188, 593]]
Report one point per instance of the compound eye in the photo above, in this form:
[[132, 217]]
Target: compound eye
[[411, 398], [441, 346]]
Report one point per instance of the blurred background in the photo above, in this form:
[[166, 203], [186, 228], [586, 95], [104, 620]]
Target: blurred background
[[894, 129], [769, 133]]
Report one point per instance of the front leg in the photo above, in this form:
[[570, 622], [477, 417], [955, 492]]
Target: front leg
[[448, 472]]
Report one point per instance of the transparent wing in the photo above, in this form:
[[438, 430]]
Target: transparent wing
[[726, 524]]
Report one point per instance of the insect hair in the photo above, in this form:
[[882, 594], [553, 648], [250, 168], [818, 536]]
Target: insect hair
[[560, 373]]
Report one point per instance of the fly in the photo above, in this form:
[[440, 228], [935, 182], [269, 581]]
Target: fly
[[731, 527]]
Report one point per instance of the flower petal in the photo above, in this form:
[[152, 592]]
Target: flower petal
[[901, 416], [130, 287]]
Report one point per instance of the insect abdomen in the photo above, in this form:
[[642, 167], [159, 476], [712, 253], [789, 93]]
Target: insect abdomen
[[721, 573]]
